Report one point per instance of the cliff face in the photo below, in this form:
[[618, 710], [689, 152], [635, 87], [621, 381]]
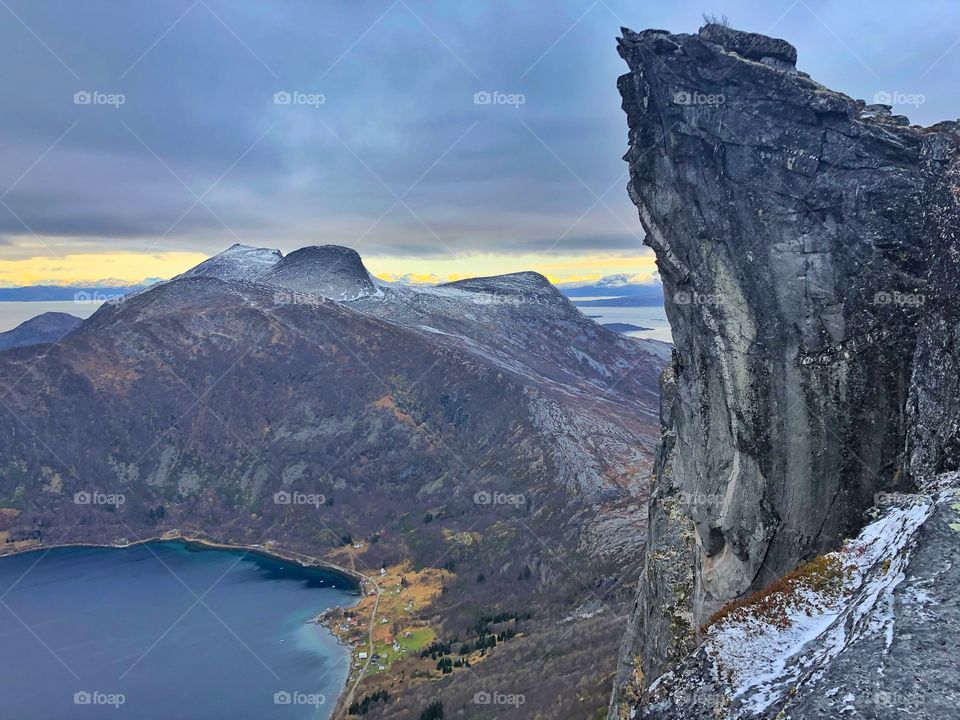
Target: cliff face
[[808, 247]]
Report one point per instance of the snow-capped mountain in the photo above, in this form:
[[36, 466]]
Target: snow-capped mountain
[[328, 271], [238, 262]]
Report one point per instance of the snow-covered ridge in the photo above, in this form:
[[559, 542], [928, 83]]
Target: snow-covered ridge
[[760, 656], [331, 271], [238, 262], [527, 285]]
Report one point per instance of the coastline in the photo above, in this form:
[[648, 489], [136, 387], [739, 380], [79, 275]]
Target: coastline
[[354, 580]]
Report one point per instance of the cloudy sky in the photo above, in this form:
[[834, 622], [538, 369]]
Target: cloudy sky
[[179, 145]]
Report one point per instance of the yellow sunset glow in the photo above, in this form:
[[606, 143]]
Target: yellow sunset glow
[[92, 267], [132, 267]]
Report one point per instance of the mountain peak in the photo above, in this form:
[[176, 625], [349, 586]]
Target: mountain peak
[[527, 283], [237, 262], [44, 328], [331, 271]]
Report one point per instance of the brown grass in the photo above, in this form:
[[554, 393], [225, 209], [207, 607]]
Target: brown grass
[[824, 575]]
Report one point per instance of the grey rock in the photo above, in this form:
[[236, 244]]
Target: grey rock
[[328, 271], [808, 249]]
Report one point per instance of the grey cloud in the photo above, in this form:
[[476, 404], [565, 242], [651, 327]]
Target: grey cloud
[[202, 101]]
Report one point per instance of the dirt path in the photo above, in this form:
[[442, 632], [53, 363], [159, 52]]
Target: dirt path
[[347, 699]]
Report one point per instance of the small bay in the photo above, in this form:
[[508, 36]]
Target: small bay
[[166, 630]]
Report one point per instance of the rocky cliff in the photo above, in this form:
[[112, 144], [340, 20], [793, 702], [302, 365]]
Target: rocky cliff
[[808, 247]]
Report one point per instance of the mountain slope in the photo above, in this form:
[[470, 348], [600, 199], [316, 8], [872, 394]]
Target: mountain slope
[[417, 433], [238, 262], [44, 328], [330, 271]]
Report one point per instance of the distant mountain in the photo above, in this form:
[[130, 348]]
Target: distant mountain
[[624, 327], [332, 272], [46, 328], [483, 430], [646, 294], [650, 296], [66, 293]]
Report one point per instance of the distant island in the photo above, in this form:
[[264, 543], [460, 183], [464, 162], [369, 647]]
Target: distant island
[[623, 327], [623, 301]]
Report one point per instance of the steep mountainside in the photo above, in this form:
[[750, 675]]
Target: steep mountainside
[[498, 450], [808, 247], [44, 328], [332, 272]]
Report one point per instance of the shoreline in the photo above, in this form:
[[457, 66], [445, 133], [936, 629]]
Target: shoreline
[[356, 582]]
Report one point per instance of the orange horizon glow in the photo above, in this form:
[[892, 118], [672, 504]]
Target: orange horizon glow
[[128, 268]]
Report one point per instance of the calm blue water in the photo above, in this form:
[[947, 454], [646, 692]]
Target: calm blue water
[[125, 622], [654, 318]]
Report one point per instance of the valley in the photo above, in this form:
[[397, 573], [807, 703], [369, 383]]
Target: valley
[[489, 495]]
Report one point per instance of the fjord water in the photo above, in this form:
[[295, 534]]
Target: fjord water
[[176, 630]]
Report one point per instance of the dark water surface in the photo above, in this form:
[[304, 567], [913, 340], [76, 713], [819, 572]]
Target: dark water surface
[[104, 633]]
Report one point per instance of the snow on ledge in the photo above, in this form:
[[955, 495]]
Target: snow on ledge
[[764, 647]]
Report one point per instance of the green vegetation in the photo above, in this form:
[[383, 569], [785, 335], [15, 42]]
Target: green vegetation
[[363, 706], [433, 711]]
